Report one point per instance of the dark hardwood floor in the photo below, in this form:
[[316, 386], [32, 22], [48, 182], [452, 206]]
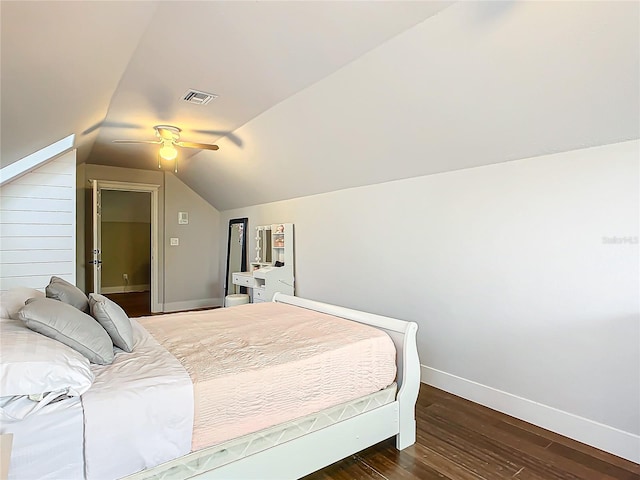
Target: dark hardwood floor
[[461, 440], [135, 304]]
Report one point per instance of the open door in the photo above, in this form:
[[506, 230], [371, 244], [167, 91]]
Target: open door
[[96, 249], [96, 252]]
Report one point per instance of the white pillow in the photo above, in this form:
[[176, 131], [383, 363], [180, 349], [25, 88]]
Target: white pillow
[[60, 289], [113, 319], [13, 300], [32, 364], [70, 326]]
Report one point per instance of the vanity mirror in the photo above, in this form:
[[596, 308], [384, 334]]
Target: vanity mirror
[[236, 251], [263, 245], [272, 268]]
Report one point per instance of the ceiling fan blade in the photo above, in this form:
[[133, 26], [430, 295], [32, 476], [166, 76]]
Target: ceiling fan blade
[[223, 133], [155, 142], [202, 146], [106, 123]]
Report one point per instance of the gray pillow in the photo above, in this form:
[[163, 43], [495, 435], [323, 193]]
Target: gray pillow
[[66, 292], [114, 320], [70, 326]]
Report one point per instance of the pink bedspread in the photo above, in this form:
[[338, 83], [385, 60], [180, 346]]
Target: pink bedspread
[[257, 365]]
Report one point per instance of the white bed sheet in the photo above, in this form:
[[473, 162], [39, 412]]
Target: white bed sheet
[[48, 444], [138, 412]]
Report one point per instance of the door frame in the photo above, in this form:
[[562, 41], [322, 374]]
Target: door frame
[[153, 190]]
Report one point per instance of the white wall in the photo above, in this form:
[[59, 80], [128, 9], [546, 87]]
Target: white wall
[[192, 278], [523, 302], [37, 225]]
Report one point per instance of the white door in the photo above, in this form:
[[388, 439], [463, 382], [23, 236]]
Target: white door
[[96, 252]]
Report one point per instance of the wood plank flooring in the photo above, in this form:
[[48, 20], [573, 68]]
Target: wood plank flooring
[[461, 440], [135, 304]]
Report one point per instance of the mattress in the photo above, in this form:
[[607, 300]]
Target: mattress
[[48, 444], [213, 457], [258, 365]]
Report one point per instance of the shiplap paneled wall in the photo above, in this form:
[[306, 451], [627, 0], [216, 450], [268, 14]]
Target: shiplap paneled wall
[[37, 225]]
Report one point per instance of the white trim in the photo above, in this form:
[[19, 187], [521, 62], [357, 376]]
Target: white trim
[[155, 241], [74, 212], [96, 238], [125, 288], [598, 435], [191, 304], [28, 163]]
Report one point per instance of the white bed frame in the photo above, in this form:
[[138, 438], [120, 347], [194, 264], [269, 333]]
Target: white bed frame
[[313, 451]]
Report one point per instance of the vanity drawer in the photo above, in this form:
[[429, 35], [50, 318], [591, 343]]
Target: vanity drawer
[[259, 295], [242, 280]]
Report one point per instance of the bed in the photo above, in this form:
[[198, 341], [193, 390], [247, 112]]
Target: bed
[[298, 426]]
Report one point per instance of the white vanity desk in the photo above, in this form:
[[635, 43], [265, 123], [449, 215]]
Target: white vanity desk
[[264, 282], [274, 245]]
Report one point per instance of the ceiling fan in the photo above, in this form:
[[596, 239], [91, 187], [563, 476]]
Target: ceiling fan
[[168, 137]]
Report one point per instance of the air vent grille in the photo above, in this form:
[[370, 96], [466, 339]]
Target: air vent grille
[[198, 97]]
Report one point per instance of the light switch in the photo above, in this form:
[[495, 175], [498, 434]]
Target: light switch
[[183, 218], [175, 242]]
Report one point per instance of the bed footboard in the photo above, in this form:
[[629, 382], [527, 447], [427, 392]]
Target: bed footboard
[[403, 335]]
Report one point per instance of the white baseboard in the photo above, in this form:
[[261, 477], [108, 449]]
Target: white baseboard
[[604, 437], [125, 288], [191, 304]]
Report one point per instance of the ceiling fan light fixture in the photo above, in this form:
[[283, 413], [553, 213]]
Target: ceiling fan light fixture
[[168, 138], [168, 151]]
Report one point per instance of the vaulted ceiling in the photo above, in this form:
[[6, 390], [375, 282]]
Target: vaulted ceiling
[[316, 96]]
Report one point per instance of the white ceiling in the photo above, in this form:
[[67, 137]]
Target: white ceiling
[[115, 69], [318, 96]]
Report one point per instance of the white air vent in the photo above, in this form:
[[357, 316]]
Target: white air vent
[[198, 97]]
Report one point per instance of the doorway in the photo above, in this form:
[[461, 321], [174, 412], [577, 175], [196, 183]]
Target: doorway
[[126, 248], [124, 240]]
